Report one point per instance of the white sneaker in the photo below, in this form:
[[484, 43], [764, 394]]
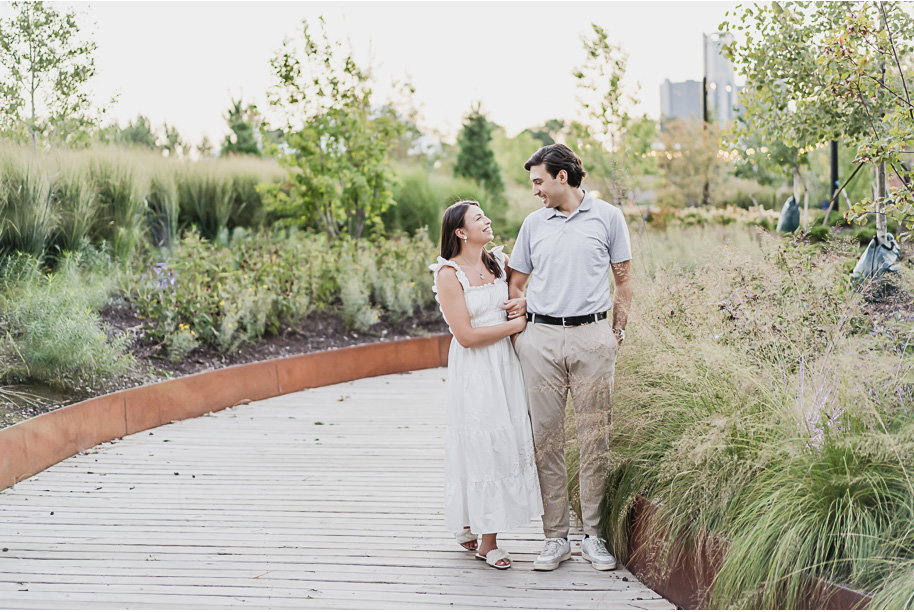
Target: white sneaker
[[594, 550], [556, 551]]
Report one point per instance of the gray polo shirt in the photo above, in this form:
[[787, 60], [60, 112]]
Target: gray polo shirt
[[568, 258]]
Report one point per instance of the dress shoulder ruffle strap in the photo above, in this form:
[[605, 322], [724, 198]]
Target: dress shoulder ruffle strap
[[436, 268], [498, 253]]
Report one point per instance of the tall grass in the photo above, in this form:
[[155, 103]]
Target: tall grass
[[216, 196], [122, 183], [246, 174], [67, 200], [27, 218], [73, 195], [755, 401], [162, 206]]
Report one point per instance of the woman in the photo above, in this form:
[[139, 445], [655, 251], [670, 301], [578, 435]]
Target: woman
[[491, 483]]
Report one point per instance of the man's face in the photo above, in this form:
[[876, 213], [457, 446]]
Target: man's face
[[547, 188]]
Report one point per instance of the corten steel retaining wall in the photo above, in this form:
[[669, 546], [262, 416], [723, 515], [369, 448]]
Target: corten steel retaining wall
[[34, 445], [688, 583]]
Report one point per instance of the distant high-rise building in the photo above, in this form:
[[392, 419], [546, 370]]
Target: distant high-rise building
[[722, 88], [680, 100], [683, 100]]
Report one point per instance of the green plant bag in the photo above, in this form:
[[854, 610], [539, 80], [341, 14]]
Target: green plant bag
[[878, 259], [790, 216]]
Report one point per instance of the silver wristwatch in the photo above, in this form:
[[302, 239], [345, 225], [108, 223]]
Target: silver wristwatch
[[620, 334]]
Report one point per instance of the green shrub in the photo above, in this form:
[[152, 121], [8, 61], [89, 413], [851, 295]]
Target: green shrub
[[357, 269], [818, 233], [394, 284], [765, 224], [865, 234], [228, 294], [835, 219], [180, 343], [416, 204], [53, 328]]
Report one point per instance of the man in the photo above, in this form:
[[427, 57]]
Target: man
[[566, 250]]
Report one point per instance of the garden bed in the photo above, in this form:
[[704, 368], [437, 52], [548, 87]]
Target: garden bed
[[319, 331]]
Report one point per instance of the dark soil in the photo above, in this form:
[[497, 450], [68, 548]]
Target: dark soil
[[319, 331]]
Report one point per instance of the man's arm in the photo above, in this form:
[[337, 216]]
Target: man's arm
[[517, 303], [622, 300]]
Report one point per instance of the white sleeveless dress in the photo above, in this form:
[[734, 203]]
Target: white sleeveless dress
[[491, 482]]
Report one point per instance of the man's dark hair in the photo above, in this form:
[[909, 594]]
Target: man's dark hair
[[558, 157]]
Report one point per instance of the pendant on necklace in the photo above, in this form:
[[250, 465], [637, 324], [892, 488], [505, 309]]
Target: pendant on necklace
[[481, 277]]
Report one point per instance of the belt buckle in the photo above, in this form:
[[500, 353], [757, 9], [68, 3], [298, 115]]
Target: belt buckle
[[563, 322]]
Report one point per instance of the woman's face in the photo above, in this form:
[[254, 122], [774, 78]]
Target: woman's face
[[476, 226]]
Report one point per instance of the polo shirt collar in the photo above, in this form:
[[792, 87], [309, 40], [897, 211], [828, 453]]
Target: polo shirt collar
[[586, 203]]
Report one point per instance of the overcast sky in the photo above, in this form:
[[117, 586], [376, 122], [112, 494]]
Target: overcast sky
[[182, 62]]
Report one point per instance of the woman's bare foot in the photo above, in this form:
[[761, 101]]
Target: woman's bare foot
[[489, 543], [470, 545]]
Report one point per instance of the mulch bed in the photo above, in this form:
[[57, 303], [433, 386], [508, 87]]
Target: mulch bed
[[319, 331]]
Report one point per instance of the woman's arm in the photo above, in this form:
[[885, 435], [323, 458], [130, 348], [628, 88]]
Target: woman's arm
[[454, 306]]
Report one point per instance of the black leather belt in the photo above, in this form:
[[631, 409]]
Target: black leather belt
[[565, 321]]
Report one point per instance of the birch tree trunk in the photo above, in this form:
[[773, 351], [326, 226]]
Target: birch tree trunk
[[881, 225]]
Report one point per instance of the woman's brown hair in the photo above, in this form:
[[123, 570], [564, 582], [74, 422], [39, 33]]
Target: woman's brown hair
[[450, 243]]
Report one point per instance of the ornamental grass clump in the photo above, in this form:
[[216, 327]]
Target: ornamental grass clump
[[73, 195], [162, 210], [27, 219], [121, 182], [206, 198], [758, 404]]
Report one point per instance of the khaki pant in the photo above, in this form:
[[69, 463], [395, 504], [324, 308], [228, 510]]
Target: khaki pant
[[556, 360]]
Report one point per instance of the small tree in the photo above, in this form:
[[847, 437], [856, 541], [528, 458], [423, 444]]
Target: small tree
[[866, 66], [173, 144], [45, 69], [690, 160], [816, 71], [476, 159], [601, 134], [512, 153], [205, 148], [137, 133], [244, 124], [336, 149]]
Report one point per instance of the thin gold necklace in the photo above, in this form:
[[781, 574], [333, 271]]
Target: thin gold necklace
[[481, 277]]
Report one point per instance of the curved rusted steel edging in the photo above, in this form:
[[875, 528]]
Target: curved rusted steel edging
[[688, 584], [34, 445]]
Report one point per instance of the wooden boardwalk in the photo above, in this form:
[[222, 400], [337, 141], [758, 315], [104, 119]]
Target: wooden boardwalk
[[327, 498]]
